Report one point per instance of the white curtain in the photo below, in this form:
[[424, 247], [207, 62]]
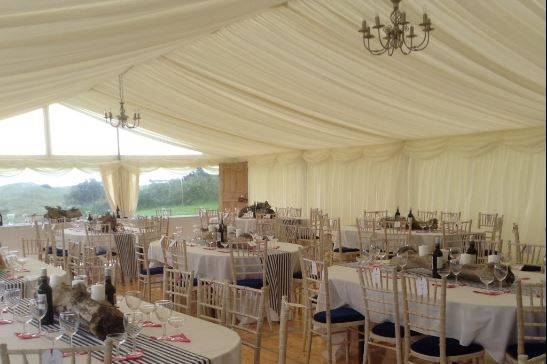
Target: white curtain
[[121, 186], [495, 172]]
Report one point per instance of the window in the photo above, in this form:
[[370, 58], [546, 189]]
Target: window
[[183, 193], [23, 134], [28, 192], [134, 143]]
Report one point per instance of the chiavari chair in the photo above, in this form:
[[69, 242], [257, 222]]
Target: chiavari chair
[[450, 216], [230, 216], [248, 264], [424, 215], [178, 287], [245, 313], [282, 212], [490, 224], [327, 321], [179, 256], [73, 352], [283, 319], [35, 247], [294, 212], [366, 232], [525, 254], [396, 235], [375, 215], [165, 243], [57, 250], [340, 253], [212, 301], [383, 326], [266, 227], [453, 233], [424, 311], [147, 276], [531, 328]]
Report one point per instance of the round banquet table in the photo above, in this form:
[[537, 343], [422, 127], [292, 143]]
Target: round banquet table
[[210, 343], [470, 317], [283, 261]]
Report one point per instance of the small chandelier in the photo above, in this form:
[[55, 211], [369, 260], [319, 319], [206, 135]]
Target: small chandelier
[[398, 35], [123, 119]]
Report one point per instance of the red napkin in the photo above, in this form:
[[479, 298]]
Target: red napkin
[[178, 338], [488, 293], [150, 324], [131, 356], [26, 335], [5, 322]]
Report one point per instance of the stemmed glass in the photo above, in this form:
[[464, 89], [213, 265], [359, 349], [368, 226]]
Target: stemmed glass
[[23, 315], [444, 270], [486, 276], [176, 321], [133, 300], [117, 340], [12, 297], [147, 308], [454, 254], [133, 325], [52, 335], [402, 259], [38, 309], [163, 312], [500, 272], [69, 322], [455, 268]]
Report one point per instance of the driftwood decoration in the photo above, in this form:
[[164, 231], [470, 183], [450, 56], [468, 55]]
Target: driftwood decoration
[[469, 272], [101, 318]]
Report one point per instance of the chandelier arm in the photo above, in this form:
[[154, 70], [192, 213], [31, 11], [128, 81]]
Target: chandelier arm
[[426, 39], [385, 46], [417, 47], [375, 52]]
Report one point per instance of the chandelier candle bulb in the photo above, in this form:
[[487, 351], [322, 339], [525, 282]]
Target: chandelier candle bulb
[[377, 20]]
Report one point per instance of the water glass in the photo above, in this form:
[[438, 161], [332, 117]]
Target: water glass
[[132, 323], [38, 309], [133, 300], [52, 335], [500, 272], [163, 312], [455, 268], [69, 322], [444, 270], [23, 314], [486, 276], [402, 259], [454, 254], [147, 308], [176, 322], [117, 340]]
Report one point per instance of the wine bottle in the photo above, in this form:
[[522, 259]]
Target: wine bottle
[[472, 250], [109, 289], [221, 230], [397, 214], [44, 291], [437, 261], [118, 213], [89, 217], [1, 221]]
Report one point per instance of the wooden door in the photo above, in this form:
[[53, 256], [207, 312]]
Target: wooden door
[[233, 185]]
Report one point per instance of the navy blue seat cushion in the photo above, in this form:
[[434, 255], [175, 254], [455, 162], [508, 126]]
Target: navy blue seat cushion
[[387, 329], [153, 271], [58, 251], [346, 250], [532, 349], [531, 268], [339, 315], [429, 345], [297, 275], [103, 251], [250, 282], [195, 282]]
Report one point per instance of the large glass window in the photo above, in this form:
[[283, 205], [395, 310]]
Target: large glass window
[[23, 134], [183, 193], [29, 192]]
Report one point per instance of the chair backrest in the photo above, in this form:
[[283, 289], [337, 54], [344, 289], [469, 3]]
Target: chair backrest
[[142, 243], [375, 215], [177, 288], [530, 317], [487, 220], [314, 275], [295, 212], [245, 312], [283, 319], [248, 260], [305, 235], [454, 232], [212, 300], [281, 211], [73, 353], [163, 212], [229, 216], [314, 215], [366, 231], [424, 309], [165, 243], [331, 233], [518, 253], [450, 216], [37, 247], [266, 227], [424, 215], [381, 299], [179, 256]]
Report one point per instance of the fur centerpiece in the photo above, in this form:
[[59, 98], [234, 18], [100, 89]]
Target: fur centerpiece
[[58, 213], [469, 272], [258, 208], [101, 318]]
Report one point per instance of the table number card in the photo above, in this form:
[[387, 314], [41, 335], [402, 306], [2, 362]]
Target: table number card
[[376, 276], [314, 268]]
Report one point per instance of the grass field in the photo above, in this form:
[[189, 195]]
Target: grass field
[[180, 210]]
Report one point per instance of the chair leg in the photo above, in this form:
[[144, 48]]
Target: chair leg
[[348, 338], [308, 344]]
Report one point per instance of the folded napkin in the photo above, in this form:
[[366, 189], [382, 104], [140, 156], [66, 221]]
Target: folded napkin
[[179, 338], [150, 324], [26, 335], [131, 356], [488, 293], [5, 322]]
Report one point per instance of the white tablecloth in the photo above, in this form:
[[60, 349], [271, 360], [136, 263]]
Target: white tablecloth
[[246, 225], [220, 344], [471, 317], [350, 237]]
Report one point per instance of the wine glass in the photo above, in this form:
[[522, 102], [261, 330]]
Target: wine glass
[[38, 309], [486, 276], [176, 321], [382, 254], [455, 268], [500, 272], [133, 325], [52, 335], [23, 315], [444, 270], [147, 308], [12, 297], [373, 251], [454, 253], [402, 259], [133, 300], [163, 312], [69, 322], [117, 340]]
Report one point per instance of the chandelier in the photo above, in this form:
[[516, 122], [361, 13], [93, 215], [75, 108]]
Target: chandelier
[[123, 119], [397, 35]]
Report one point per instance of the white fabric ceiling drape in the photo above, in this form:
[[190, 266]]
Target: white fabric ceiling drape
[[121, 186], [493, 172]]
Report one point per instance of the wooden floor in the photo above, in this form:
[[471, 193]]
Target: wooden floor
[[295, 353]]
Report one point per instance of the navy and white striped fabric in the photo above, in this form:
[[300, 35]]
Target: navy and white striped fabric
[[125, 247], [279, 270], [155, 352], [5, 275]]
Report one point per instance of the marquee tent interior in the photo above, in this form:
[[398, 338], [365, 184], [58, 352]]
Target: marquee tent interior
[[288, 87]]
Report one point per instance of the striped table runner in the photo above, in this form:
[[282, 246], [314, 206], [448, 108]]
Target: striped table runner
[[279, 270], [155, 352], [5, 275], [125, 245]]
